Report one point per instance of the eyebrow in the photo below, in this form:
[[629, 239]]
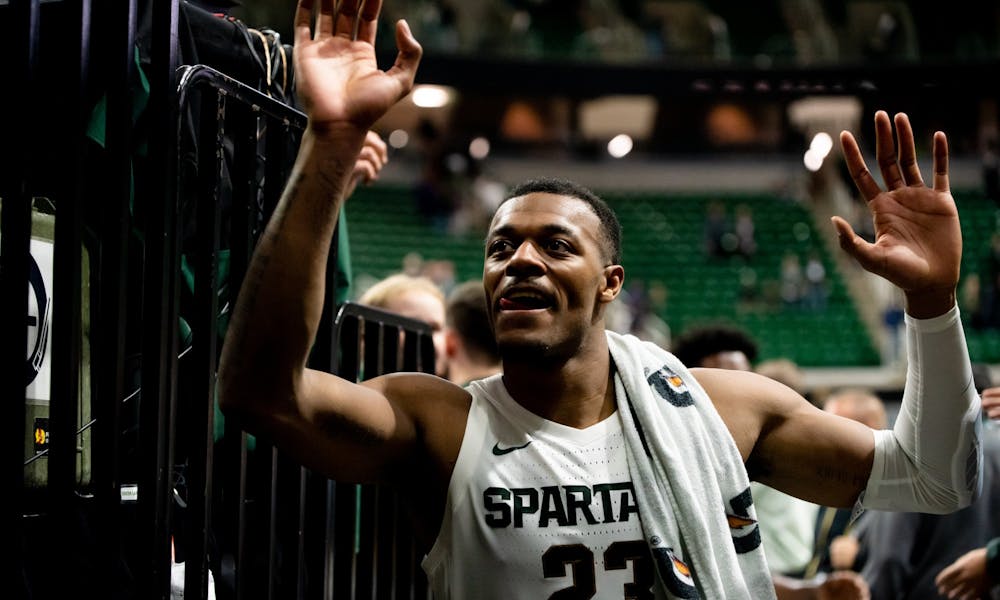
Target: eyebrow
[[507, 230]]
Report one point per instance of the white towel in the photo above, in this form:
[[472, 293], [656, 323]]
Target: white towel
[[691, 485]]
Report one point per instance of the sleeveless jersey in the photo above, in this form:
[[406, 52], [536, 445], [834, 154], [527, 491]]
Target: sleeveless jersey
[[536, 508]]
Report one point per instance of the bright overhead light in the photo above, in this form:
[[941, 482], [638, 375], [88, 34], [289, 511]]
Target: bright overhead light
[[479, 148], [399, 139], [620, 145], [822, 143], [813, 160], [431, 96]]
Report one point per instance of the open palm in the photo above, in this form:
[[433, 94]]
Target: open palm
[[337, 78], [918, 240]]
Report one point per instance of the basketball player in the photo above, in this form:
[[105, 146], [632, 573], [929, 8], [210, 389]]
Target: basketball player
[[524, 484]]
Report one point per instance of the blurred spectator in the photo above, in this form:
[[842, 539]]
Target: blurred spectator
[[746, 242], [989, 285], [976, 574], [785, 371], [416, 298], [893, 319], [637, 312], [836, 546], [792, 280], [842, 585], [786, 523], [717, 228], [479, 196], [716, 346], [816, 289], [433, 193], [906, 552], [472, 350], [991, 170], [441, 272]]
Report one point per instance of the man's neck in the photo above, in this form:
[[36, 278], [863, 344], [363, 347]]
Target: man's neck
[[577, 393]]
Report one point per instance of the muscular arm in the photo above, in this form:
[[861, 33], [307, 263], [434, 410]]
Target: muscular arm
[[930, 460], [788, 443], [347, 431]]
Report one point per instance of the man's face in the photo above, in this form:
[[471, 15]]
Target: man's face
[[733, 360], [545, 276]]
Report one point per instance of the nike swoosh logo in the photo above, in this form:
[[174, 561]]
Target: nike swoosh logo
[[498, 451]]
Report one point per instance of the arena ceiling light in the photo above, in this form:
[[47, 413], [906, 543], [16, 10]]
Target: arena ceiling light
[[818, 150], [432, 96], [399, 139], [479, 148], [620, 145]]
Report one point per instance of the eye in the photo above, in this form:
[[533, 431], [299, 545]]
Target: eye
[[498, 246], [557, 245]]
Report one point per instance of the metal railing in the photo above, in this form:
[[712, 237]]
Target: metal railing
[[150, 225]]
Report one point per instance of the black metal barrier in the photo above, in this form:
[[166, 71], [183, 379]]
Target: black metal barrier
[[113, 454]]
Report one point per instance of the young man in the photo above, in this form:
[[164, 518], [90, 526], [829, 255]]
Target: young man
[[595, 464]]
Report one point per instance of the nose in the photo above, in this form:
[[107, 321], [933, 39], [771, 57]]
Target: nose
[[526, 260]]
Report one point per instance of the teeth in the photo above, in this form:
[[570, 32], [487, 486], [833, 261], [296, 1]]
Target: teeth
[[525, 295]]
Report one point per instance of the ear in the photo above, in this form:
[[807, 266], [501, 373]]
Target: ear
[[614, 278], [451, 342]]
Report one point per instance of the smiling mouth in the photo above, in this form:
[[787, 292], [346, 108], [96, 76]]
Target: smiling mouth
[[524, 302]]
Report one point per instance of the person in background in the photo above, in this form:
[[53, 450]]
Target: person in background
[[836, 546], [716, 346], [976, 574], [468, 337], [914, 555], [415, 298], [786, 523]]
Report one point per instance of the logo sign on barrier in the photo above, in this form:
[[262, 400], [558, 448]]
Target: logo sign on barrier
[[38, 365]]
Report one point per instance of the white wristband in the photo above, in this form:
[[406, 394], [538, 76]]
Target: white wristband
[[931, 461]]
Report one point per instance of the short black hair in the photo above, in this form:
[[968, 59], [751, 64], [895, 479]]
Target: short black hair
[[610, 226], [694, 345], [466, 313]]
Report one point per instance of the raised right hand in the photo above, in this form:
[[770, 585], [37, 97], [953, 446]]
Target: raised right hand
[[337, 78]]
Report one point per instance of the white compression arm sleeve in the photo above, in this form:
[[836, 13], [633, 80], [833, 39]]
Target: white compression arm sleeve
[[931, 461]]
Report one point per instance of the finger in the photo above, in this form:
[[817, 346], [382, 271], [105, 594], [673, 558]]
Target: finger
[[941, 162], [368, 22], [405, 68], [885, 152], [324, 19], [907, 151], [345, 23], [370, 156], [303, 20], [856, 165], [375, 141], [859, 249], [365, 171]]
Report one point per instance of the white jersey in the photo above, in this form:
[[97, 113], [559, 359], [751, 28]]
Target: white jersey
[[535, 507]]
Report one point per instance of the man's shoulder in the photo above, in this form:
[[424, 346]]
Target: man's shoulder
[[424, 391]]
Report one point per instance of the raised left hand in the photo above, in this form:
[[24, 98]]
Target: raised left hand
[[918, 240]]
